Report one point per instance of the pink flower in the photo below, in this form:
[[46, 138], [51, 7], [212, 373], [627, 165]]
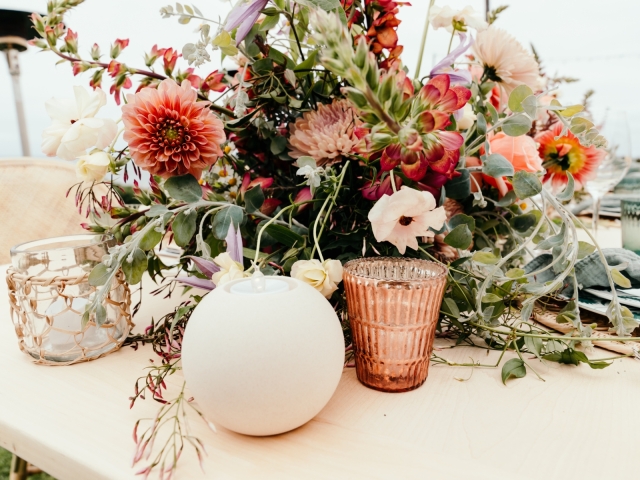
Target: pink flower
[[521, 152], [404, 216], [375, 190], [169, 132], [326, 133]]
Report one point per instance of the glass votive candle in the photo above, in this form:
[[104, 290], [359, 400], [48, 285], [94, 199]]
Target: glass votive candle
[[48, 292], [630, 216], [393, 306]]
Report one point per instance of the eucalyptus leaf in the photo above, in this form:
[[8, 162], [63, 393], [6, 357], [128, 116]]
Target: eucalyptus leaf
[[459, 188], [460, 237], [462, 219], [223, 219], [491, 298], [495, 165], [450, 308], [530, 106], [253, 199], [517, 96], [185, 188], [516, 125], [508, 199], [156, 211], [513, 368], [150, 239], [481, 124], [526, 184], [515, 273], [487, 258], [534, 345], [523, 223], [184, 227]]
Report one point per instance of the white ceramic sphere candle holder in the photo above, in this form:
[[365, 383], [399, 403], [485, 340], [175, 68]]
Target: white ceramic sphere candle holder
[[263, 356]]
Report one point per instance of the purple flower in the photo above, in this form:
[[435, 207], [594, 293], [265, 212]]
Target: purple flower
[[208, 268], [243, 16], [444, 65]]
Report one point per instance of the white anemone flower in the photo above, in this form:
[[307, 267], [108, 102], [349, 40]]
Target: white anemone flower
[[404, 216], [75, 129]]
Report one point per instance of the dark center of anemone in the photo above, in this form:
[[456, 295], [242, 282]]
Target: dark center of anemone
[[491, 74], [553, 159], [73, 121], [404, 221]]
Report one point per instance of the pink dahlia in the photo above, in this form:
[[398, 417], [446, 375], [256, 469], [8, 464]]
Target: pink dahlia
[[325, 134], [169, 132]]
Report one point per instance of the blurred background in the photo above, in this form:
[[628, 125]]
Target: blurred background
[[592, 41]]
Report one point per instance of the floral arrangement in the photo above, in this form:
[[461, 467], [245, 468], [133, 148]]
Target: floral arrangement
[[317, 146]]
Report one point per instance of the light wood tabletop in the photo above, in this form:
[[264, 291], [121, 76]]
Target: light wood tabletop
[[75, 422]]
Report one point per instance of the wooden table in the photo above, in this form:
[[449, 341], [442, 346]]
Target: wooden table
[[75, 422]]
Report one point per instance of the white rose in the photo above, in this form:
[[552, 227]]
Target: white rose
[[229, 269], [93, 167], [468, 117], [75, 129], [323, 276]]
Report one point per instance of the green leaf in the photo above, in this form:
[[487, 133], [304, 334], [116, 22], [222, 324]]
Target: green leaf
[[620, 279], [513, 368], [495, 165], [571, 111], [184, 227], [481, 124], [269, 22], [459, 188], [302, 68], [522, 223], [585, 249], [516, 125], [486, 258], [599, 365], [134, 270], [101, 315], [459, 237], [491, 298], [530, 106], [99, 275], [534, 345], [185, 188], [251, 254], [326, 5], [150, 239], [493, 113], [277, 56], [223, 219], [155, 211], [253, 199], [462, 219], [526, 184], [278, 144], [517, 96], [508, 199], [567, 193], [450, 308], [285, 236], [515, 273]]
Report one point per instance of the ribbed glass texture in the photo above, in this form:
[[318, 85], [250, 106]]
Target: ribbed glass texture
[[630, 216], [393, 306]]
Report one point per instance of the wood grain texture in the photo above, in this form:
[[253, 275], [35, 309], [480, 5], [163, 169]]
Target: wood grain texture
[[75, 423]]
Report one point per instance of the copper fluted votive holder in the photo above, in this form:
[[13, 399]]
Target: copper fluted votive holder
[[393, 306]]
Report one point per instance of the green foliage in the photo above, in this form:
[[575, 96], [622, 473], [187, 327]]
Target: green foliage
[[223, 220], [135, 266], [526, 184], [495, 165], [184, 188], [253, 199], [513, 368], [184, 227], [459, 237]]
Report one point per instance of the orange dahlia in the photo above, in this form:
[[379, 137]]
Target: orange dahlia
[[566, 154], [169, 132]]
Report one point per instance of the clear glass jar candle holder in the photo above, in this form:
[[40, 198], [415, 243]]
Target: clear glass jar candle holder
[[630, 216], [393, 306], [48, 292]]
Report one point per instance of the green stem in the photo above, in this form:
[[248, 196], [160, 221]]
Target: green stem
[[423, 41], [257, 255], [559, 337], [316, 236], [453, 33]]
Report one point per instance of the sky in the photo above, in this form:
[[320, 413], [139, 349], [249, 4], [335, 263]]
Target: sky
[[594, 41]]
